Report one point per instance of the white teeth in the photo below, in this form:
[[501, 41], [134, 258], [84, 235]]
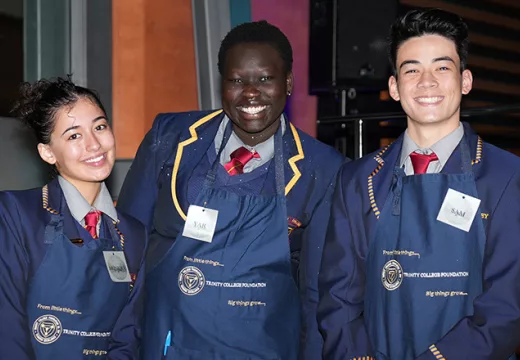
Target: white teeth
[[252, 109], [99, 158], [429, 100]]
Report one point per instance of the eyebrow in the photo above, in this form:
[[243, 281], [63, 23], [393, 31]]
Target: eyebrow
[[443, 58], [415, 62], [77, 126]]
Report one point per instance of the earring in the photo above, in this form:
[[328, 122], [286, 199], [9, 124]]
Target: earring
[[288, 93]]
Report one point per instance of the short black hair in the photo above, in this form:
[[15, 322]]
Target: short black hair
[[40, 101], [429, 21], [257, 32]]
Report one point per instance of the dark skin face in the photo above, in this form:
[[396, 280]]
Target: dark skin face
[[255, 86]]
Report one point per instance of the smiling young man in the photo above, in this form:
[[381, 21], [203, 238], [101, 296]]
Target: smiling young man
[[237, 203], [421, 254]]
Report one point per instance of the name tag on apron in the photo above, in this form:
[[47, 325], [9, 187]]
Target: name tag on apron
[[116, 266], [458, 210], [200, 223]]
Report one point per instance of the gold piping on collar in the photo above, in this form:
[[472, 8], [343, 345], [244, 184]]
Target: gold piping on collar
[[45, 202], [292, 161], [381, 162], [178, 157]]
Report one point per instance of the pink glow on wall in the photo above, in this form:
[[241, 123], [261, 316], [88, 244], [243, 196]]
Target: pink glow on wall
[[292, 17]]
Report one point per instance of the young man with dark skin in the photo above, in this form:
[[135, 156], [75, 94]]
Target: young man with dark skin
[[421, 254], [236, 202]]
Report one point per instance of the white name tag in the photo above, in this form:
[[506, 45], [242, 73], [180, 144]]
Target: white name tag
[[458, 210], [200, 223], [116, 266]]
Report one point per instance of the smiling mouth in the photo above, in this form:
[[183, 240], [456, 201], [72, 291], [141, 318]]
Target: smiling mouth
[[252, 110], [431, 100], [95, 159]]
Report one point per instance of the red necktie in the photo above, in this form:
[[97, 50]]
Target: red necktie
[[91, 221], [239, 158], [420, 162]]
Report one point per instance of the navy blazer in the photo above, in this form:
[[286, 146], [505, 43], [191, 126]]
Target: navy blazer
[[176, 144], [363, 186], [23, 218]]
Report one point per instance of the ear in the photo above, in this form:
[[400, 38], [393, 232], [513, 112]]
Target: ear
[[393, 90], [289, 82], [46, 153], [467, 82]]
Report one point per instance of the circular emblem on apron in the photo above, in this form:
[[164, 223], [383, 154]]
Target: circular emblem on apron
[[47, 329], [392, 275], [191, 280]]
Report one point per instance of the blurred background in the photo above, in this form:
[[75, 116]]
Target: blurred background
[[149, 56]]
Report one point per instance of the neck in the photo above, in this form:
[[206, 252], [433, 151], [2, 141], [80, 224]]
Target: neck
[[425, 135], [89, 191], [251, 139]]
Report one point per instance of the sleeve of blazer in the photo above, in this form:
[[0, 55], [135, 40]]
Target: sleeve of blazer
[[139, 191], [14, 271], [126, 335], [493, 332], [341, 281], [312, 246]]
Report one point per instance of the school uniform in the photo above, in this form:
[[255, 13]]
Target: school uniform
[[414, 266], [243, 293], [59, 299]]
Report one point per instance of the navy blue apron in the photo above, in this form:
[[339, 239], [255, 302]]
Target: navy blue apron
[[422, 274], [233, 298], [72, 303]]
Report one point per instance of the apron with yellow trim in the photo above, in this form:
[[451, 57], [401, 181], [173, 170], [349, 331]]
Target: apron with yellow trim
[[233, 298], [422, 274]]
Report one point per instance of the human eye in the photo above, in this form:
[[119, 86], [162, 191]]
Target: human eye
[[236, 80], [74, 136], [410, 71], [265, 78], [101, 127]]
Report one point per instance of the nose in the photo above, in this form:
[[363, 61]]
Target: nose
[[427, 80], [92, 142], [251, 91]]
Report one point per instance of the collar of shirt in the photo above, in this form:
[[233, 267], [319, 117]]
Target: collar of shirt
[[442, 148], [264, 149], [79, 207]]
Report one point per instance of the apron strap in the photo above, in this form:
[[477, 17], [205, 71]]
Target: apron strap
[[278, 160], [465, 155]]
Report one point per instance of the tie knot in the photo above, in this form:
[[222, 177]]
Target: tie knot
[[239, 158], [420, 162], [92, 218], [244, 155]]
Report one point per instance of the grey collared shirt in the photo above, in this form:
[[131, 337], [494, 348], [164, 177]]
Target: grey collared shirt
[[79, 206], [442, 148], [264, 149]]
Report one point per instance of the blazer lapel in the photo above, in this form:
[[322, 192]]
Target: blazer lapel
[[192, 146], [454, 163], [55, 204], [380, 178], [293, 153]]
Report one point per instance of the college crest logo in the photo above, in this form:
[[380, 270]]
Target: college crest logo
[[191, 280], [47, 329], [392, 275]]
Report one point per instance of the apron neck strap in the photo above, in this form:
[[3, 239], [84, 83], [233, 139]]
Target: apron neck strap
[[277, 157]]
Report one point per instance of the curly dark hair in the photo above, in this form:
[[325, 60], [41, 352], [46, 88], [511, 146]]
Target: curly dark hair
[[429, 21], [257, 32], [40, 101]]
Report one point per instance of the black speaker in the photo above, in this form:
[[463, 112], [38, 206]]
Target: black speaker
[[348, 44]]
